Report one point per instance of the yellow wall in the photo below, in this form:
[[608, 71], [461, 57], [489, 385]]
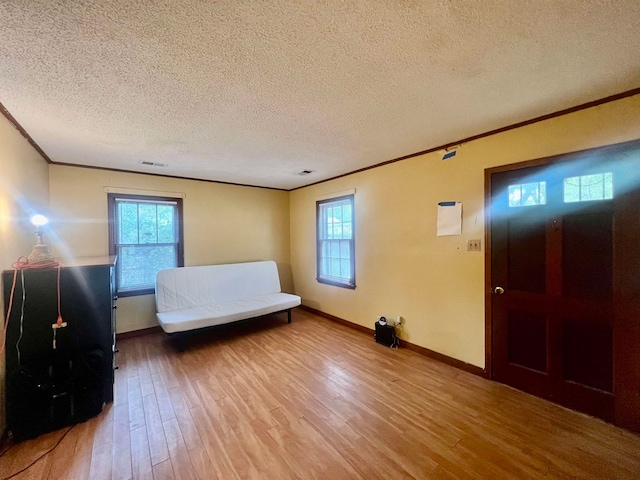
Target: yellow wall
[[402, 268], [222, 224], [24, 190]]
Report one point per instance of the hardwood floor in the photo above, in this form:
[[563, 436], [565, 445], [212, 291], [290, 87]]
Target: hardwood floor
[[314, 399]]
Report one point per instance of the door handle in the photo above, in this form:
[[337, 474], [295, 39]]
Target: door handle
[[498, 290]]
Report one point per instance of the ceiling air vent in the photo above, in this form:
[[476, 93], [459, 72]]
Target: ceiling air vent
[[152, 164], [306, 172]]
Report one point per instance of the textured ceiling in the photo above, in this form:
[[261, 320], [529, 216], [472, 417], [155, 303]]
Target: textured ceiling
[[254, 92]]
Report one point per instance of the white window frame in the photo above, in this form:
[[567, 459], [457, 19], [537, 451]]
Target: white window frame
[[322, 237]]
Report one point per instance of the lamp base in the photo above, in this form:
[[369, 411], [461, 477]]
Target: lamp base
[[40, 253]]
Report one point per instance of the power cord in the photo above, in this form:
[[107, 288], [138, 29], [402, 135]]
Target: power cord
[[24, 293], [41, 456], [7, 448], [19, 266], [396, 339]]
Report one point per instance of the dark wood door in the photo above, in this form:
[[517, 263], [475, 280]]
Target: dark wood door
[[565, 280]]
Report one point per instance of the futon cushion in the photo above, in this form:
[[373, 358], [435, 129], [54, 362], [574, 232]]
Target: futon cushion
[[217, 314], [188, 298]]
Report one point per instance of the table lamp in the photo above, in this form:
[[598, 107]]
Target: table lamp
[[40, 252]]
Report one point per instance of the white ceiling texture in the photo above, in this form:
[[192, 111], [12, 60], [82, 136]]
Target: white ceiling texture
[[254, 92]]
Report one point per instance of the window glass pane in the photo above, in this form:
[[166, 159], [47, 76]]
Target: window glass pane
[[344, 250], [326, 266], [347, 230], [337, 226], [597, 186], [346, 213], [608, 186], [118, 220], [591, 187], [148, 232], [337, 213], [128, 222], [166, 227], [345, 269], [572, 189], [335, 267], [527, 194], [514, 196], [329, 223], [530, 194], [335, 249], [322, 234], [139, 265]]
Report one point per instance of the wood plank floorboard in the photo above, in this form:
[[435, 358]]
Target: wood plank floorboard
[[316, 400]]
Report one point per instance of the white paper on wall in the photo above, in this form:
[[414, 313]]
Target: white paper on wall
[[449, 218]]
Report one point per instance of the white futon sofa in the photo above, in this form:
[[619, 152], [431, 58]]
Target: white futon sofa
[[191, 298]]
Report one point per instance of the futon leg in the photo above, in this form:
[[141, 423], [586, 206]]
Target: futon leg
[[289, 316], [180, 341]]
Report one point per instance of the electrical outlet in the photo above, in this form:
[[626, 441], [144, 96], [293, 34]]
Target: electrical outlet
[[473, 245]]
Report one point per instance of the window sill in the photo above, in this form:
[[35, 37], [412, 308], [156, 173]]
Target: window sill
[[336, 283], [136, 292]]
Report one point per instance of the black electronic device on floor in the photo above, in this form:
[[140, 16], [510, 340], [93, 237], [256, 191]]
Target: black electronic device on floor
[[385, 334]]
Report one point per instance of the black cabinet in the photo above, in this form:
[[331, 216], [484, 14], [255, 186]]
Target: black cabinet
[[59, 376]]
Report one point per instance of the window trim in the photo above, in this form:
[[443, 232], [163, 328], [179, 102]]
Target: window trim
[[351, 284], [111, 206]]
